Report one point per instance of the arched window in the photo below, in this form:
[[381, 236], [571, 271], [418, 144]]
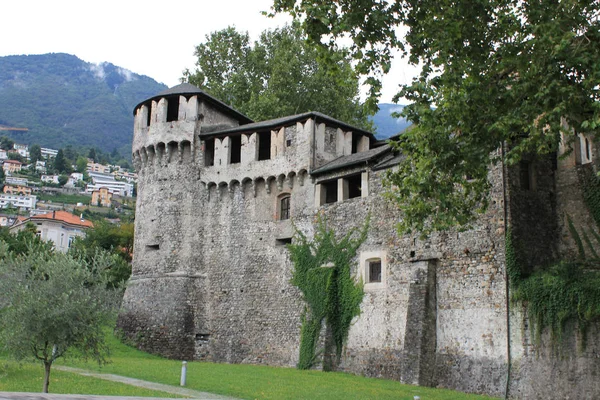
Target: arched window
[[284, 207]]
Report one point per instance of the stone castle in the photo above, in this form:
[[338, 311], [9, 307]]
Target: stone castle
[[217, 194]]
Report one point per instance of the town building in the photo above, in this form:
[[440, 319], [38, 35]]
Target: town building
[[21, 202], [219, 197], [96, 167], [59, 227], [13, 180], [49, 153], [11, 166], [18, 190], [101, 197], [101, 180], [50, 179]]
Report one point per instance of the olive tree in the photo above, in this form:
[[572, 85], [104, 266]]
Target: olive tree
[[53, 305]]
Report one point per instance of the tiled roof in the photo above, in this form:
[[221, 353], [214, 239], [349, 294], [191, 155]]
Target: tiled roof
[[63, 216], [12, 162], [352, 159]]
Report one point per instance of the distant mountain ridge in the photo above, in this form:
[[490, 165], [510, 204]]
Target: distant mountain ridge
[[64, 100], [58, 99], [387, 125]]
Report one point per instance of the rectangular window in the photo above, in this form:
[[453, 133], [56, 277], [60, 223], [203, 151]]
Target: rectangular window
[[235, 149], [284, 212], [354, 186], [173, 109], [264, 146], [374, 271], [355, 139], [330, 188]]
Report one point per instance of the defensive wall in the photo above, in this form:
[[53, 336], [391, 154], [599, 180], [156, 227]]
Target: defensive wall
[[219, 197]]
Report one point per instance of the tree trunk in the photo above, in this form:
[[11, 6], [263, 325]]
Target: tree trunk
[[47, 366]]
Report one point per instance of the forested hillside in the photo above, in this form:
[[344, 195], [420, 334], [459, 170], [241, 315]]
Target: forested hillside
[[63, 100], [60, 100]]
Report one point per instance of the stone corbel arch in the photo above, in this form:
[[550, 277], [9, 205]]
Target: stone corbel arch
[[290, 179], [268, 182]]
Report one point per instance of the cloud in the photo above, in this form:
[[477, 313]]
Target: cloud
[[98, 70], [127, 74]]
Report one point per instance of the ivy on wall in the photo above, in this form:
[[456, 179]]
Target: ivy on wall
[[567, 290], [322, 272]]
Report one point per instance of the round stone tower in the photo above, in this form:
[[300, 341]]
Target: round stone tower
[[163, 306]]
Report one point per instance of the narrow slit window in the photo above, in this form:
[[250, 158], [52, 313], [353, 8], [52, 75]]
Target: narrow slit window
[[235, 148], [148, 114], [209, 152], [355, 140], [283, 241]]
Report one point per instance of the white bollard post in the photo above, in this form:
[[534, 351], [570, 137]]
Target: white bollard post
[[417, 398], [183, 373]]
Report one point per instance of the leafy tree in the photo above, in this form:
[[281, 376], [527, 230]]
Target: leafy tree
[[20, 242], [116, 239], [2, 176], [15, 156], [6, 143], [492, 72], [279, 75], [81, 164], [70, 153], [54, 305], [63, 179], [60, 163], [92, 154], [35, 153]]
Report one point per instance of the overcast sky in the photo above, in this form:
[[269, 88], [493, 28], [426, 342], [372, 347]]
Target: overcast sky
[[153, 38]]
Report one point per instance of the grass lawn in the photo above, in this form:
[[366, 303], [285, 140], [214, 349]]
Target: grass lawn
[[262, 382], [28, 377], [64, 198]]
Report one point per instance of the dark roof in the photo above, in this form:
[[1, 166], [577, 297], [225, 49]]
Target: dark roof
[[283, 121], [184, 89], [352, 159]]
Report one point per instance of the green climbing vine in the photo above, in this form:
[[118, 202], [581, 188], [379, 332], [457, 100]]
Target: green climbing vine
[[566, 291], [322, 272]]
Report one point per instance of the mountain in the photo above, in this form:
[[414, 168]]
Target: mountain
[[386, 124], [57, 99], [63, 100]]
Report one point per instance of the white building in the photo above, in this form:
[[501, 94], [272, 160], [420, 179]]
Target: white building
[[49, 153], [120, 188], [60, 227], [50, 178], [3, 155], [40, 166], [25, 203], [11, 180], [73, 179]]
